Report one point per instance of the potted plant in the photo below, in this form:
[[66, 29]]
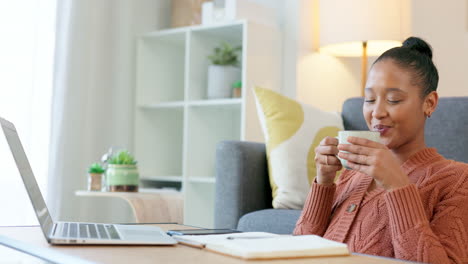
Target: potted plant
[[122, 173], [95, 173], [237, 89], [223, 71]]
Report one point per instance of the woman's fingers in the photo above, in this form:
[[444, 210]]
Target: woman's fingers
[[365, 142], [326, 161], [357, 149], [355, 158], [329, 141], [359, 167], [326, 150], [330, 160], [332, 169]]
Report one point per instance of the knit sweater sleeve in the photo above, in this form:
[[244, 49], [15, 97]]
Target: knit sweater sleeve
[[441, 239], [316, 213]]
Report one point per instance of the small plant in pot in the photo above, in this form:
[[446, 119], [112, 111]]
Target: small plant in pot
[[122, 173], [223, 71], [95, 173]]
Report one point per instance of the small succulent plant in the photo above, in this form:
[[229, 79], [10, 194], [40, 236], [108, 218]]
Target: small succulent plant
[[225, 55], [96, 168], [122, 157]]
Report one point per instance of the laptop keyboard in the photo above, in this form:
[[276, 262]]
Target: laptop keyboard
[[96, 231]]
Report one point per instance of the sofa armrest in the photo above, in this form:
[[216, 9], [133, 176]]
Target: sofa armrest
[[242, 183]]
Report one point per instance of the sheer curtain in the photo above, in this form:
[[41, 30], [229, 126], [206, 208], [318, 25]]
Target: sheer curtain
[[26, 62], [93, 93]]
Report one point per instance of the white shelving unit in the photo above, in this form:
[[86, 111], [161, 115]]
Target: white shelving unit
[[176, 127]]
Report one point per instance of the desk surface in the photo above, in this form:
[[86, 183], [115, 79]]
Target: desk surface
[[161, 254]]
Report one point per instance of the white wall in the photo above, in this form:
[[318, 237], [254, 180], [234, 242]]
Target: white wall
[[291, 42], [310, 77], [326, 81], [323, 80], [444, 24]]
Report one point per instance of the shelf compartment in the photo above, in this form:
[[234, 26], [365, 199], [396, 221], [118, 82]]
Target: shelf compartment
[[158, 141], [161, 68], [201, 196], [201, 45], [207, 126]]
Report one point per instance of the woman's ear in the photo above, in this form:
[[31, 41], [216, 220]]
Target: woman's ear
[[430, 103]]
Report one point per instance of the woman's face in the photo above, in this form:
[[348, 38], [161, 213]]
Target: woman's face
[[393, 105]]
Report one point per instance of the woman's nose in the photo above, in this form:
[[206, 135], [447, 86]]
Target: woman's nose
[[379, 110]]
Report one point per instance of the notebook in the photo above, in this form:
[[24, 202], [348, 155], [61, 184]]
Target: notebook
[[261, 245]]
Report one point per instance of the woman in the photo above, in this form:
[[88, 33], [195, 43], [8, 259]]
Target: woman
[[401, 199]]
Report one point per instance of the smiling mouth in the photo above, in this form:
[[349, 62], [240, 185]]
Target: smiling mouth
[[382, 129]]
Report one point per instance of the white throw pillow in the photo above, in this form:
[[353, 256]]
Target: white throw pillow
[[292, 131]]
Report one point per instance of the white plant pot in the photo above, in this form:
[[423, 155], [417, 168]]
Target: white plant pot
[[220, 80]]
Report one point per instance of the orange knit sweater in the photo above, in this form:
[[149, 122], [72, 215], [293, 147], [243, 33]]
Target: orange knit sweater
[[426, 221]]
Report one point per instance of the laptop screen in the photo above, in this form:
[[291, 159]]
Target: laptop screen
[[29, 180]]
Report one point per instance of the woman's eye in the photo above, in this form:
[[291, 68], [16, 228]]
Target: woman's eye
[[369, 100], [394, 101]]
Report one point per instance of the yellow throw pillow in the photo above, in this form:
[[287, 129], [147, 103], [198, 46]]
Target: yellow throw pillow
[[292, 131]]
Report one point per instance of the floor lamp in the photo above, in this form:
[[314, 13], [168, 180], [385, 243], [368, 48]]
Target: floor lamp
[[362, 28]]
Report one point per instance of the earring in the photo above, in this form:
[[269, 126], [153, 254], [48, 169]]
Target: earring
[[429, 115]]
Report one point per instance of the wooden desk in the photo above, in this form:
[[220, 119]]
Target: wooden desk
[[163, 254], [148, 206]]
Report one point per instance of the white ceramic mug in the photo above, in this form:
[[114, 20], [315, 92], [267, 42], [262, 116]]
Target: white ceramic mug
[[343, 139]]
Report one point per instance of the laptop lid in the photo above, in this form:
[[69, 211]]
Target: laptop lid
[[27, 175]]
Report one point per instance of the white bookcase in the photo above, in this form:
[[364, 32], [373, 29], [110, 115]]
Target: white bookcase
[[176, 127]]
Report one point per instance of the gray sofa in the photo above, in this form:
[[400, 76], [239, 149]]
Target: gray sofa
[[243, 195]]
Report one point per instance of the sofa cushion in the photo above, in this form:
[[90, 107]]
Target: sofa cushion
[[292, 132], [279, 221]]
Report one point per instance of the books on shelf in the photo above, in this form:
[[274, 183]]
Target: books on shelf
[[261, 245]]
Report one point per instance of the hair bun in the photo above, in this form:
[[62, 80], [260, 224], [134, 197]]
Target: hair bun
[[419, 45]]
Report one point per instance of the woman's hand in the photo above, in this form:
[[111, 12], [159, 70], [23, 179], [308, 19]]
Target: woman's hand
[[375, 160], [326, 161]]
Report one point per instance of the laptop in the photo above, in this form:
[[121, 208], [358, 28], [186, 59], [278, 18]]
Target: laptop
[[77, 232]]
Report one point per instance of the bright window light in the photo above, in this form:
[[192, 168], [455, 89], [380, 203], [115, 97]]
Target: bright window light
[[27, 42]]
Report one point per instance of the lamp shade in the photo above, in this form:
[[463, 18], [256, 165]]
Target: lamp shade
[[346, 24]]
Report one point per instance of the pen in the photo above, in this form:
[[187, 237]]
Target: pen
[[187, 242]]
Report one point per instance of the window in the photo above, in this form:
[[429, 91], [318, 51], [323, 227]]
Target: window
[[26, 68]]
